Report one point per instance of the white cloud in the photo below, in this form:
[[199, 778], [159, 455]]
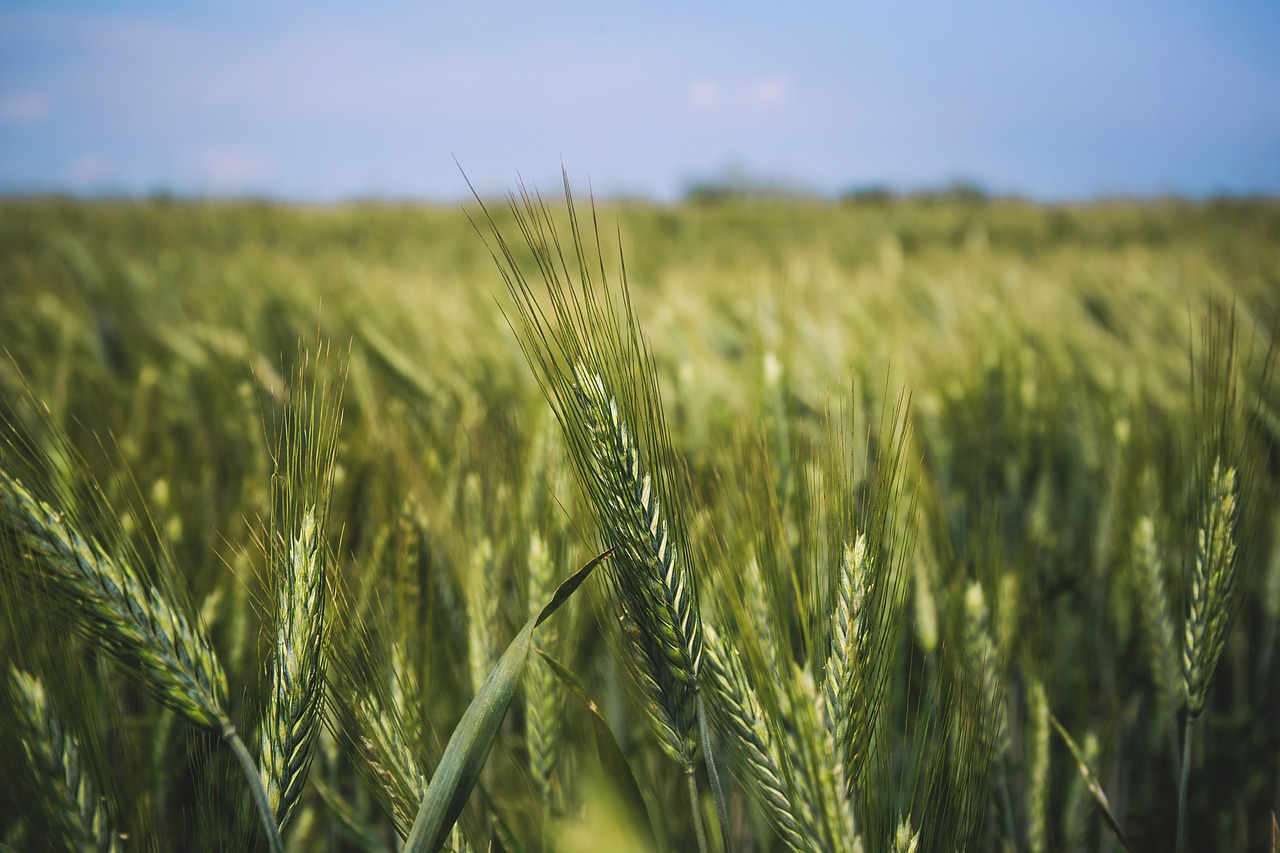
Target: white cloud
[[89, 169], [767, 94], [705, 94], [24, 109], [763, 95], [228, 168]]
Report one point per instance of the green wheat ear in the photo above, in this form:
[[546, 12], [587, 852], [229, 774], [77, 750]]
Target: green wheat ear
[[68, 795], [1038, 767], [303, 485], [290, 720], [133, 622], [1157, 621], [844, 687], [1214, 594], [981, 649], [760, 764], [598, 375], [1211, 605], [544, 704], [655, 596], [1212, 588]]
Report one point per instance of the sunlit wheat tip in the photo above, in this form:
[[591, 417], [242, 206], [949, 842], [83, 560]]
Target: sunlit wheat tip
[[905, 839]]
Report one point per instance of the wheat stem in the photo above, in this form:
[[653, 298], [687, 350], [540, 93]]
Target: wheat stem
[[256, 791], [708, 759], [1183, 783], [696, 807]]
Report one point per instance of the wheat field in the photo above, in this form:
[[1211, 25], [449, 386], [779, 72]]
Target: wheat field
[[538, 523]]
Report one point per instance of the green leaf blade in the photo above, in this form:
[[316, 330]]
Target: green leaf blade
[[468, 748]]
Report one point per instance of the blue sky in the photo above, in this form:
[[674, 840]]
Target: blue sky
[[327, 101]]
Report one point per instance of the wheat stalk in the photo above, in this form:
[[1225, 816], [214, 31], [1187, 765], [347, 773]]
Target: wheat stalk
[[762, 763], [1077, 813], [821, 788], [53, 757], [1038, 771], [656, 600], [134, 623], [1210, 610], [1157, 623], [290, 720], [981, 650], [544, 700], [1212, 588], [844, 679]]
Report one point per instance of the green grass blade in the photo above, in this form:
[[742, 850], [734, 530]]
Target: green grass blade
[[352, 826], [612, 760], [1091, 783], [469, 746]]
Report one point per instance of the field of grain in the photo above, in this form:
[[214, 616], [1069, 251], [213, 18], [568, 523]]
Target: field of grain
[[932, 523]]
